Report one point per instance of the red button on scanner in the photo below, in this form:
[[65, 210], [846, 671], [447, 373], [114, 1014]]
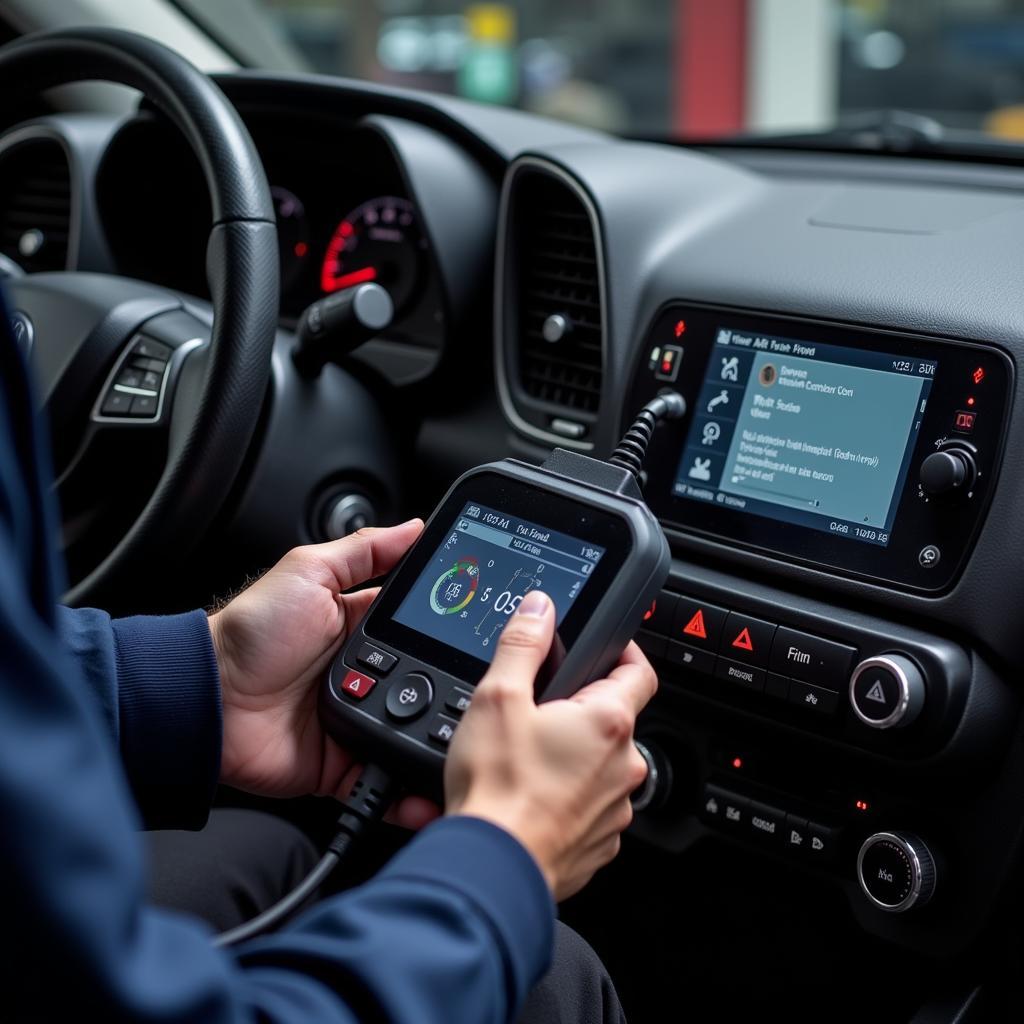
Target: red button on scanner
[[357, 685]]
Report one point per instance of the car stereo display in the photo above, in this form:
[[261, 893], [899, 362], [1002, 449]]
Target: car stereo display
[[803, 432], [487, 562]]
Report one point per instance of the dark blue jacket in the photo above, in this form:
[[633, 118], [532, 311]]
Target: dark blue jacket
[[107, 724]]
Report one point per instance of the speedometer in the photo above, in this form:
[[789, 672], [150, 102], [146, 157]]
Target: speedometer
[[378, 241]]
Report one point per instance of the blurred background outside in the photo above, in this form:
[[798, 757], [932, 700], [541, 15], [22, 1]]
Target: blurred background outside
[[660, 68]]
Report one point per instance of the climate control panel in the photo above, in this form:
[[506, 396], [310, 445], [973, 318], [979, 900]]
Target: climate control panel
[[848, 683]]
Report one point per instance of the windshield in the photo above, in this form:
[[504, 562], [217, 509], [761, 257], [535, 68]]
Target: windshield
[[661, 68]]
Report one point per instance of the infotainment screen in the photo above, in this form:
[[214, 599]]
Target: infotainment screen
[[803, 432]]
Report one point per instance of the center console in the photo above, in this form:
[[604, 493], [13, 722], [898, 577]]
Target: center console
[[862, 748]]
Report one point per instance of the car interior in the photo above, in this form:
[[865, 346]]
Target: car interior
[[831, 829]]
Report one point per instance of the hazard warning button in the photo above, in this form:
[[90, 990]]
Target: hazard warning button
[[887, 691], [698, 623], [747, 639]]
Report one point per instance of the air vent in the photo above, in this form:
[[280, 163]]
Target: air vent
[[35, 205], [554, 318]]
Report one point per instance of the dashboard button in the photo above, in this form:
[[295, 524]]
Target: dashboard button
[[693, 659], [776, 686], [698, 623], [747, 676], [376, 659], [797, 834], [659, 617], [887, 691], [813, 698], [409, 697], [824, 842], [747, 639], [896, 871], [651, 644], [812, 659], [721, 806], [767, 821]]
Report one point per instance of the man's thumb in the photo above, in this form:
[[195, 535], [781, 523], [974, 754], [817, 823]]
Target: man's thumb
[[523, 646]]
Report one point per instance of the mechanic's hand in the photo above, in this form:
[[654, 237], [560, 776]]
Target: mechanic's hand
[[556, 775], [274, 642]]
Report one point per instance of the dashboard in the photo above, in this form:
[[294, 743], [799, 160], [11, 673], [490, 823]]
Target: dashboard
[[839, 641], [344, 217]]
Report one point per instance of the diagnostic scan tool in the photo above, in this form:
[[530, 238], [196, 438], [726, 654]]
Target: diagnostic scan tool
[[575, 527]]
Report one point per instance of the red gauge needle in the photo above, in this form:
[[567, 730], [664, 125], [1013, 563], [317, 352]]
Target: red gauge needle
[[349, 280]]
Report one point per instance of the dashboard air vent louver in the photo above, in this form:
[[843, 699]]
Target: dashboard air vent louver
[[555, 317], [35, 211]]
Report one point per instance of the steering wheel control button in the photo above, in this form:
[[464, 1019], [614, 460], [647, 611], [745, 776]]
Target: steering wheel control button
[[767, 821], [374, 658], [887, 692], [929, 556], [812, 659], [409, 697], [719, 806], [144, 406], [442, 730], [698, 624], [155, 365], [747, 676], [813, 698], [747, 639], [146, 348], [357, 686], [117, 403], [458, 700], [130, 378], [896, 871], [693, 659]]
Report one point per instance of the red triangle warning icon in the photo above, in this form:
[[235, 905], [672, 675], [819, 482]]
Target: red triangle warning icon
[[743, 641], [695, 627]]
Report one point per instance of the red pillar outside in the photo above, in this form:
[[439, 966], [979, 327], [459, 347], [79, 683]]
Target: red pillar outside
[[709, 67]]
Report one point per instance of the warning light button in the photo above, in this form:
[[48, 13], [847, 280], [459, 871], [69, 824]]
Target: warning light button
[[698, 623], [358, 686], [747, 639]]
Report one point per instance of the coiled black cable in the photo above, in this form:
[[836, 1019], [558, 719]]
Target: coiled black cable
[[632, 448]]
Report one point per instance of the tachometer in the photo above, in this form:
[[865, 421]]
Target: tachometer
[[292, 233], [378, 241]]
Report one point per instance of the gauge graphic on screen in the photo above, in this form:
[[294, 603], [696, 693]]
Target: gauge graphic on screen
[[378, 241], [455, 587]]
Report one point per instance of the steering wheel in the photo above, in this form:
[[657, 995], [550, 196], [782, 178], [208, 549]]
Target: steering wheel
[[137, 389]]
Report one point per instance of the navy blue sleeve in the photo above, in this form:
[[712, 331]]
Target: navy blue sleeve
[[454, 931], [155, 679]]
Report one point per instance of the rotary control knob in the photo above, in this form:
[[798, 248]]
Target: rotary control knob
[[887, 692], [896, 871], [654, 790], [948, 471]]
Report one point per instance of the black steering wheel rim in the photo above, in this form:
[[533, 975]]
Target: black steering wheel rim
[[204, 459]]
